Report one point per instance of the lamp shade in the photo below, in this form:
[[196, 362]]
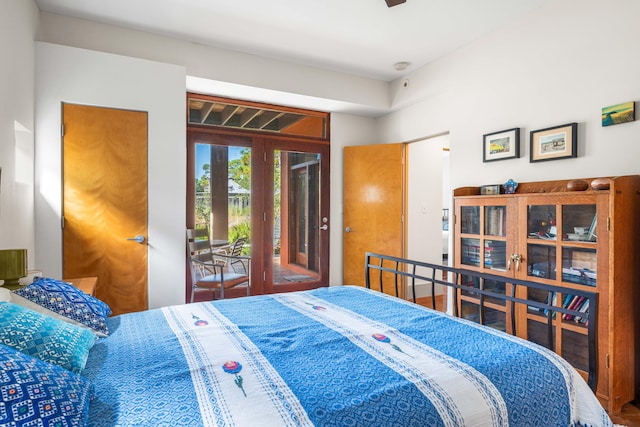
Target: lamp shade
[[13, 267]]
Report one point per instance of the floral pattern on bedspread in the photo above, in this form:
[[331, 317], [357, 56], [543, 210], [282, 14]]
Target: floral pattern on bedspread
[[233, 367], [318, 358]]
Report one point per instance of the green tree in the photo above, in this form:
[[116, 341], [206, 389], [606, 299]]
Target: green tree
[[203, 196], [202, 184], [240, 169]]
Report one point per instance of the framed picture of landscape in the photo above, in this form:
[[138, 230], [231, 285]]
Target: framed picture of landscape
[[501, 145], [559, 142], [619, 113]]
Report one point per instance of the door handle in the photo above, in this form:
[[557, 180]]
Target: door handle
[[517, 258], [324, 227], [138, 238], [348, 230]]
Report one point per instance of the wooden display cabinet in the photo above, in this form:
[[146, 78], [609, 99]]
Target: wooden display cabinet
[[586, 240]]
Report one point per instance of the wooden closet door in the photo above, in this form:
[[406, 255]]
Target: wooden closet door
[[105, 202], [374, 206]]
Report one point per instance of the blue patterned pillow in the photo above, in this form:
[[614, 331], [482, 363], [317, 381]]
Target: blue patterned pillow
[[40, 394], [44, 337], [67, 301]]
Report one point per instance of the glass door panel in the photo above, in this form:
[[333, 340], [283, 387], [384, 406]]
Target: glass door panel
[[470, 219], [495, 220], [297, 219], [541, 222], [470, 252], [223, 193], [495, 255], [579, 223], [541, 261], [579, 265]]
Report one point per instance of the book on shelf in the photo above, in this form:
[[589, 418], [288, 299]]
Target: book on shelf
[[495, 220], [570, 302], [584, 309], [495, 254], [575, 303]]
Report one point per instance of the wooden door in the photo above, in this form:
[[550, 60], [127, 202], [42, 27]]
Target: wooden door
[[271, 168], [105, 202], [374, 205]]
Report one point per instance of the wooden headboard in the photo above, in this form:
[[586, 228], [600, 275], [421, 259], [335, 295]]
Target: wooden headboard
[[404, 272]]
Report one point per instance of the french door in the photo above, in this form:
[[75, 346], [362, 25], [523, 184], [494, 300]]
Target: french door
[[273, 191]]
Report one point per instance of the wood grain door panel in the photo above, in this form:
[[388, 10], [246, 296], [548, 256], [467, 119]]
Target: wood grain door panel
[[374, 205], [105, 202]]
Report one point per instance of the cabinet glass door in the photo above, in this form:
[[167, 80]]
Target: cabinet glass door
[[470, 219], [541, 261], [579, 223], [495, 221], [495, 255], [470, 249], [579, 266], [484, 244], [541, 222]]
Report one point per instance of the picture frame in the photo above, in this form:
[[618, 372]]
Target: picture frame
[[501, 145], [619, 113], [490, 189], [554, 143]]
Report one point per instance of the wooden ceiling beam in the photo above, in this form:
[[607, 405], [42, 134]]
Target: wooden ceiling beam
[[228, 112], [207, 107], [247, 116]]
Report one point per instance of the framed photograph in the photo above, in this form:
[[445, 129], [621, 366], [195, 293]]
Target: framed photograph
[[501, 145], [619, 113], [554, 143]]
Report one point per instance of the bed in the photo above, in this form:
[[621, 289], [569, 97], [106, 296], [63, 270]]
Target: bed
[[337, 356]]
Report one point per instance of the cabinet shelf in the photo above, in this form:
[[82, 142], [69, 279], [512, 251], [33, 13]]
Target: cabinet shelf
[[547, 234]]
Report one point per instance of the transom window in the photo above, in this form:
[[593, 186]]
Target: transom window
[[248, 116]]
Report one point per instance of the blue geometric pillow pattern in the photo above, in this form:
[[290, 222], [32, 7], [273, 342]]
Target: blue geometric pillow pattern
[[68, 301], [45, 337], [36, 393]]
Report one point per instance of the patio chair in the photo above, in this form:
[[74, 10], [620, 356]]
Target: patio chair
[[232, 255], [208, 273]]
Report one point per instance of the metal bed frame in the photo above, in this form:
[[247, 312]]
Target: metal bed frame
[[404, 269]]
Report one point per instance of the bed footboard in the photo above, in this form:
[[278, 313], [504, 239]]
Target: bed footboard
[[407, 273]]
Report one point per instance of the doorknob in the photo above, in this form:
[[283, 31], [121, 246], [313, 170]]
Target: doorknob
[[348, 229], [324, 227], [138, 238]]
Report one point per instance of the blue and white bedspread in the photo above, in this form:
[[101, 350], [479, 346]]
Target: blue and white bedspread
[[340, 356]]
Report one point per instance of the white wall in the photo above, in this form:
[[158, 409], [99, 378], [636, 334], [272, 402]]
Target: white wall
[[348, 93], [18, 23], [66, 74], [346, 130], [562, 64]]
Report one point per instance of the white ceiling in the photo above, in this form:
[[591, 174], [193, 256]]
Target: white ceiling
[[361, 37]]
